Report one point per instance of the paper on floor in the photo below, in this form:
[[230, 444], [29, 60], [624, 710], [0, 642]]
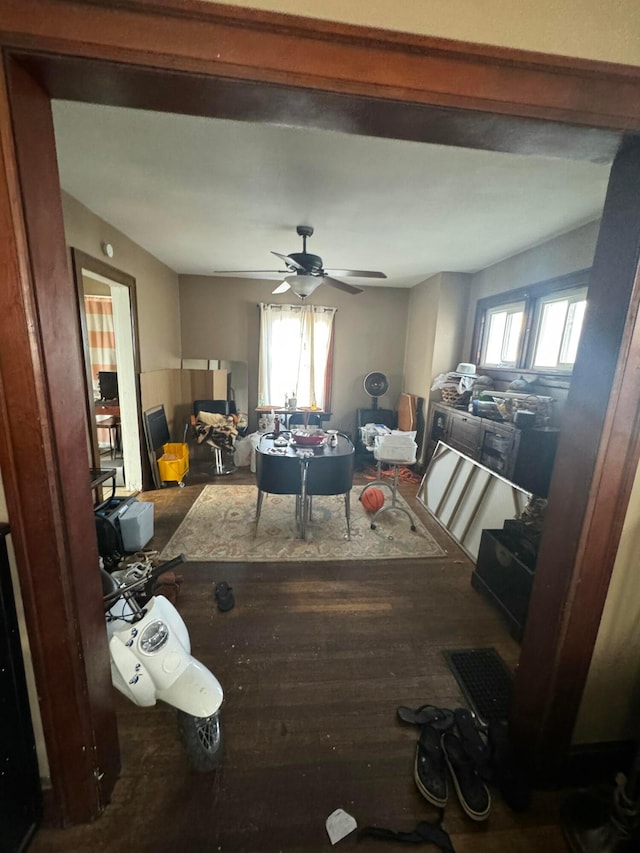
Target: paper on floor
[[339, 824]]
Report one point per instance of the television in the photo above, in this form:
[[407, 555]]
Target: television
[[108, 384]]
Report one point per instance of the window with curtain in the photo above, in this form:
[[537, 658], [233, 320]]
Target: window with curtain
[[296, 343], [102, 341]]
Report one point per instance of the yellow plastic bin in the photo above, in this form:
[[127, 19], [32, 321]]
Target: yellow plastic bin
[[173, 465]]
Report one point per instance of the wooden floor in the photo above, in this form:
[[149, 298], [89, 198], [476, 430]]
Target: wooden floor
[[314, 660]]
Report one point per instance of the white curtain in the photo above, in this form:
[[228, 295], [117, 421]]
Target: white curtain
[[295, 342]]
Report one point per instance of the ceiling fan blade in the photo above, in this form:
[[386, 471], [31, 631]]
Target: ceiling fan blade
[[294, 265], [282, 288], [270, 273], [357, 273], [340, 285]]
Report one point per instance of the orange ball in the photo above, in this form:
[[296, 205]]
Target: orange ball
[[372, 499]]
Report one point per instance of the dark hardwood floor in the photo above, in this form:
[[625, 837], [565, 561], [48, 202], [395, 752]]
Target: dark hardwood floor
[[314, 660]]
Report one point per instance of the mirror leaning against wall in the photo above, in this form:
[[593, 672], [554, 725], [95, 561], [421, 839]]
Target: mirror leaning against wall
[[108, 320]]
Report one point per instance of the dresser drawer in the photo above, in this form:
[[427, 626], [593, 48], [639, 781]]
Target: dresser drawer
[[464, 434], [497, 448]]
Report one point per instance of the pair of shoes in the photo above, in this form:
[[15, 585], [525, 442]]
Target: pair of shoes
[[434, 753], [224, 596], [427, 715], [472, 792]]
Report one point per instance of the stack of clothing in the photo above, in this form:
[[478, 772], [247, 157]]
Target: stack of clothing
[[216, 430]]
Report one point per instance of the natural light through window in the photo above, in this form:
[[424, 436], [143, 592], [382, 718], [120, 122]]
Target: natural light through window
[[559, 330], [504, 327], [535, 328], [295, 346]]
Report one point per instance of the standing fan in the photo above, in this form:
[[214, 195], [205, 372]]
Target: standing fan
[[375, 384]]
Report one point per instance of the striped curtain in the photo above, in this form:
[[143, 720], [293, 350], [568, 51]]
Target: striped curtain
[[102, 343]]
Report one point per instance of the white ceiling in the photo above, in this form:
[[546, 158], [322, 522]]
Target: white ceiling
[[204, 195]]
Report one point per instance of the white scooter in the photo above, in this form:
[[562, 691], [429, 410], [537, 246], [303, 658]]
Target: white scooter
[[151, 659]]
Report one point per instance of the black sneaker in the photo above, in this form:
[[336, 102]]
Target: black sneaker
[[472, 792], [429, 769], [224, 596], [474, 743]]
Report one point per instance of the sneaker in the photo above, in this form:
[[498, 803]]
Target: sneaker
[[472, 792], [429, 769]]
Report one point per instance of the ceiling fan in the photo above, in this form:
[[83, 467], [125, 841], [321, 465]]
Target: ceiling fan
[[304, 272]]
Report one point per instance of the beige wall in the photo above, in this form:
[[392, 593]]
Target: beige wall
[[610, 708], [422, 326], [586, 28], [435, 331], [156, 284], [453, 308], [220, 319]]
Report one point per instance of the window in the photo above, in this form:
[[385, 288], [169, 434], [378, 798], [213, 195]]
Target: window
[[295, 355], [559, 326], [535, 328], [504, 330]]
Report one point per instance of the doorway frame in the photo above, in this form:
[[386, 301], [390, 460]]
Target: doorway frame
[[190, 57]]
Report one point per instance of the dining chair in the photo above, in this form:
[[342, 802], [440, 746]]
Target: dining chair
[[330, 476], [303, 418], [277, 475]]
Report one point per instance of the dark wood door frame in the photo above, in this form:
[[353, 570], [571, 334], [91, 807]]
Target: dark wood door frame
[[198, 58]]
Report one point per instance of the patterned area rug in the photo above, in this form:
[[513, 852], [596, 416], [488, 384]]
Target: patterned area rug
[[221, 526]]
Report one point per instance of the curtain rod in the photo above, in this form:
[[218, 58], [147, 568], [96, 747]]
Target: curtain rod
[[295, 307]]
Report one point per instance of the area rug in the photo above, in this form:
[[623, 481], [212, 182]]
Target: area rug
[[221, 526]]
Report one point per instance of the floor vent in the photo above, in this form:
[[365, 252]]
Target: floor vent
[[485, 680]]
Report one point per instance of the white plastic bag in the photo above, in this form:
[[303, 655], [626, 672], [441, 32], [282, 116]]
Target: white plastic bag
[[254, 438], [242, 452]]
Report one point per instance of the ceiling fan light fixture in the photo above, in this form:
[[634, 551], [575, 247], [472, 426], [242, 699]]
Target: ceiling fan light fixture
[[303, 285]]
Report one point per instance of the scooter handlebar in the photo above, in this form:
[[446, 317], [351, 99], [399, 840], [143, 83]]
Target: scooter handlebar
[[143, 581], [170, 564]]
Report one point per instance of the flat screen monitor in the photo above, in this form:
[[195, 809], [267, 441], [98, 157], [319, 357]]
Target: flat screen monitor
[[108, 384]]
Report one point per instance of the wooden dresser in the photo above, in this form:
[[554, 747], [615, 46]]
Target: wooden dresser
[[523, 456]]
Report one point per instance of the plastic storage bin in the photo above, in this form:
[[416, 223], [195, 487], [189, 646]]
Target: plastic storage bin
[[395, 448], [136, 525], [174, 462]]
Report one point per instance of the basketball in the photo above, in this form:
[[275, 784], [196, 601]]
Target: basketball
[[372, 499]]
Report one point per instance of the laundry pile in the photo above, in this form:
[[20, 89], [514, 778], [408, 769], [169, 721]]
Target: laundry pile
[[455, 751], [216, 430]]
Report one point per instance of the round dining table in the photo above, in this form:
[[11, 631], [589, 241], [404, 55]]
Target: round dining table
[[284, 467]]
